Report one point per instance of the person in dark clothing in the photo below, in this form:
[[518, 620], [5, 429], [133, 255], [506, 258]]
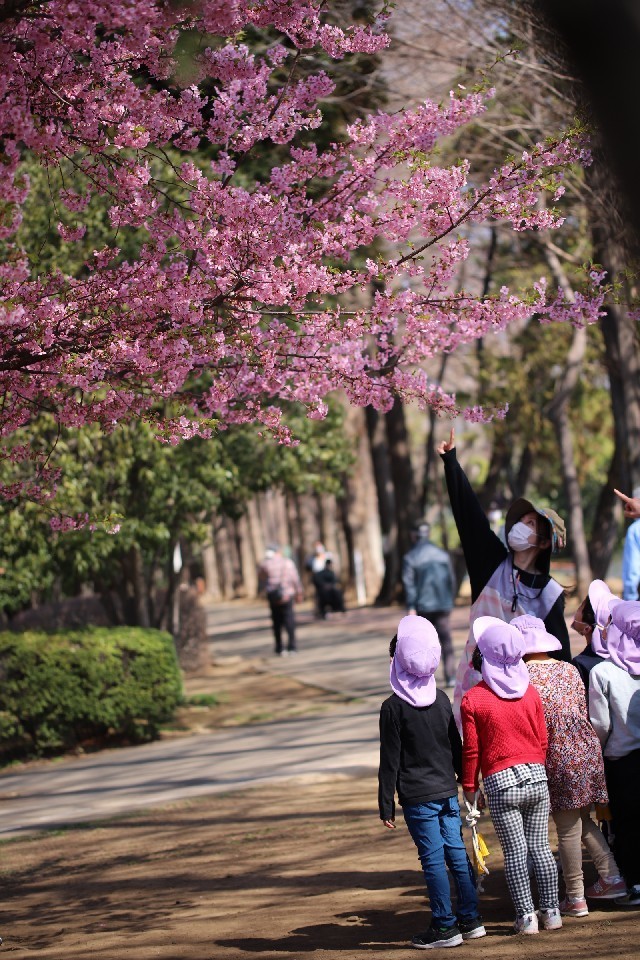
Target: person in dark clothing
[[420, 755], [328, 590], [429, 589], [506, 581]]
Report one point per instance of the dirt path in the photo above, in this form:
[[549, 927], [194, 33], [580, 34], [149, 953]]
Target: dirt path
[[280, 873], [301, 869]]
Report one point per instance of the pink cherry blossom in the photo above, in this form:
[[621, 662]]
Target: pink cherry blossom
[[243, 294]]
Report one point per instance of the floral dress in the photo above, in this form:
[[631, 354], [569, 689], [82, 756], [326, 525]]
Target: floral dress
[[575, 769]]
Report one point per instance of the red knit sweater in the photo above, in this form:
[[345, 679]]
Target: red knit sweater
[[499, 733]]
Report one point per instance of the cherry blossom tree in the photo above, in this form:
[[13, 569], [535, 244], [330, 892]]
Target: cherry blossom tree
[[220, 293]]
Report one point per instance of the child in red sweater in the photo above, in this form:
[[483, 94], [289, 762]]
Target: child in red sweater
[[505, 738]]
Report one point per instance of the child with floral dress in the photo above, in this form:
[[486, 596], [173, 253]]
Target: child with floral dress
[[574, 764]]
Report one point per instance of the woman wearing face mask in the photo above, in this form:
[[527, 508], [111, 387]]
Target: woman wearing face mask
[[506, 582]]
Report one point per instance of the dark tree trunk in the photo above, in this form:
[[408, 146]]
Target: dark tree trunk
[[606, 526], [386, 504], [343, 505], [138, 588], [493, 488], [401, 474]]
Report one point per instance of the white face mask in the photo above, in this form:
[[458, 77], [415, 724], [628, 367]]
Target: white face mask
[[521, 537]]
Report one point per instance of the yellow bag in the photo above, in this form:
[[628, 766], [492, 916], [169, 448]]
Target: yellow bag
[[480, 849], [480, 852]]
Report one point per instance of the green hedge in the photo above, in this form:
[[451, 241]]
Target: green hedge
[[60, 690]]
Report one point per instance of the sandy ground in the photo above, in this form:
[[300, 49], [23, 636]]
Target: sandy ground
[[289, 872], [306, 872]]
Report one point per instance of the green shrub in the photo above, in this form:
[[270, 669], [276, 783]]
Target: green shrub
[[59, 690]]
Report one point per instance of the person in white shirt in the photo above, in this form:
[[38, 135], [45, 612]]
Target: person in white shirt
[[614, 711]]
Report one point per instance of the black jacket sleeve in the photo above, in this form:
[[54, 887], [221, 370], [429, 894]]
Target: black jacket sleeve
[[456, 747], [557, 626], [483, 550], [389, 762]]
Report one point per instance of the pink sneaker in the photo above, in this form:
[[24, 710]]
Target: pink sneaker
[[601, 890], [574, 908]]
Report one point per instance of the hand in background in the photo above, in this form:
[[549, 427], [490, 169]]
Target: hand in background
[[445, 445], [631, 505]]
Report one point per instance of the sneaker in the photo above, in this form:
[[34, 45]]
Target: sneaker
[[601, 890], [472, 929], [526, 924], [630, 899], [574, 907], [551, 919], [438, 937]]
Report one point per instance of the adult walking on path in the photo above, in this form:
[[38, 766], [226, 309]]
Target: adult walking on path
[[429, 589], [280, 580], [506, 581], [329, 592], [317, 564]]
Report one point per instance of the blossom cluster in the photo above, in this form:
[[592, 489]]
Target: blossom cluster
[[242, 294]]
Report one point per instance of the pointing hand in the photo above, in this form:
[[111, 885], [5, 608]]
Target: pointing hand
[[445, 445]]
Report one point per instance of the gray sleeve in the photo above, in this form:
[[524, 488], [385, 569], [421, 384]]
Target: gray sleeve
[[409, 583], [599, 713]]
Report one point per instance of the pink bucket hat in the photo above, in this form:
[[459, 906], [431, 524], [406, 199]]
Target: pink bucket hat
[[415, 661], [534, 633], [600, 598], [501, 646], [623, 635]]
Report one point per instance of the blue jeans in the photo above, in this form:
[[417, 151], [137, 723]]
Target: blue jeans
[[437, 833]]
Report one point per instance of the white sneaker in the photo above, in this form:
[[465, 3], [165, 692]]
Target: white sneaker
[[551, 918], [526, 924]]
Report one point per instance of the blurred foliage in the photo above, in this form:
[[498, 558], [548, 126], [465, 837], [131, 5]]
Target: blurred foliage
[[158, 494], [61, 690], [534, 98], [525, 375]]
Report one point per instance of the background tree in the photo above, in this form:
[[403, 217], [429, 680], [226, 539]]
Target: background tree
[[226, 303], [152, 497], [537, 90]]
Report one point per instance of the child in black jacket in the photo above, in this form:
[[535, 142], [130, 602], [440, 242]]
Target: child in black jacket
[[420, 755]]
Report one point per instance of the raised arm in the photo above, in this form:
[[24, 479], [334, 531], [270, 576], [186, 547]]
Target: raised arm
[[631, 505], [631, 563], [483, 550]]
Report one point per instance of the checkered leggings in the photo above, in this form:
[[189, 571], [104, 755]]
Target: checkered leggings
[[520, 816]]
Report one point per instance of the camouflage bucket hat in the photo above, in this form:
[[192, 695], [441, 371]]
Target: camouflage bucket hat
[[521, 506]]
